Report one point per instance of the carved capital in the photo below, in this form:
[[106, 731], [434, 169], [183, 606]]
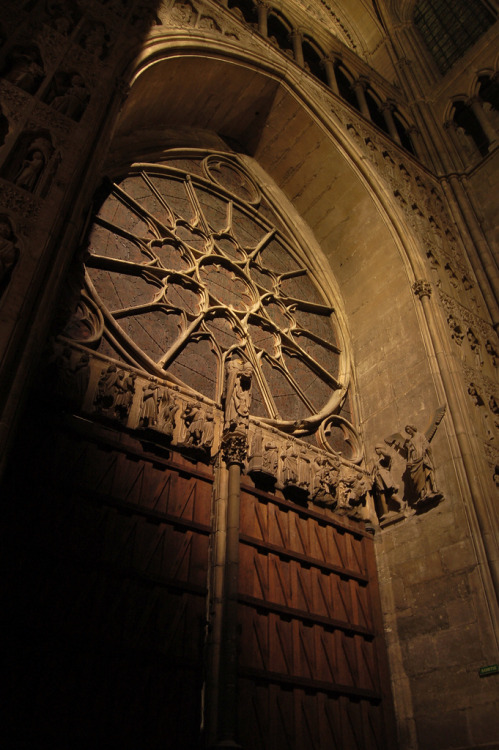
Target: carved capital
[[234, 447], [422, 288]]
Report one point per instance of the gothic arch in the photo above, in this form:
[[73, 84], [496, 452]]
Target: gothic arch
[[271, 114]]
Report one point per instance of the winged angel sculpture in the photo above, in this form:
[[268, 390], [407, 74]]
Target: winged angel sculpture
[[416, 450]]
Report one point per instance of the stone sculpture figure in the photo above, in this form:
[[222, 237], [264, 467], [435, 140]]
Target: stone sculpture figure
[[194, 417], [324, 480], [270, 458], [30, 171], [9, 253], [168, 421], [95, 40], [73, 101], [24, 70], [124, 390], [237, 396], [350, 491], [208, 431], [151, 398], [290, 464], [385, 489], [417, 451]]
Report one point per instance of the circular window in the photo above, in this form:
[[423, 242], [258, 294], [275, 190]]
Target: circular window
[[190, 265]]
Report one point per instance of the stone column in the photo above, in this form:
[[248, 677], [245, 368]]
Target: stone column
[[297, 38], [477, 109], [387, 109], [328, 65], [262, 9], [234, 449], [359, 86]]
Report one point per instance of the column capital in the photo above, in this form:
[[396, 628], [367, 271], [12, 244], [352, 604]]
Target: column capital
[[422, 288], [234, 447], [362, 81]]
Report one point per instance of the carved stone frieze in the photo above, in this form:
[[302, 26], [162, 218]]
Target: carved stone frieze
[[18, 201], [14, 100]]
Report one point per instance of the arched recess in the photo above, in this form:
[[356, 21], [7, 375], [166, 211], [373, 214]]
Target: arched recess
[[350, 233]]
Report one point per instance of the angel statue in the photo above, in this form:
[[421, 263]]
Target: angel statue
[[417, 451]]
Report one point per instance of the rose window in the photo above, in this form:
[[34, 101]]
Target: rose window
[[190, 265]]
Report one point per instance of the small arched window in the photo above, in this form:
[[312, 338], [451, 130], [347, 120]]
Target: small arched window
[[450, 27], [465, 118], [278, 32], [344, 80], [313, 60]]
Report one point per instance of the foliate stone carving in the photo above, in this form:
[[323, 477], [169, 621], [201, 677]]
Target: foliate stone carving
[[476, 350], [457, 333], [183, 14], [483, 414], [492, 352], [421, 288], [234, 448], [115, 391], [417, 452], [9, 252]]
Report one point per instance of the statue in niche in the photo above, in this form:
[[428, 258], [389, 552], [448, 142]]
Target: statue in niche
[[384, 487], [489, 348], [149, 407], [9, 252], [95, 41], [168, 422], [237, 394], [25, 69], [475, 347], [289, 458], [350, 492], [30, 171], [416, 449], [73, 100], [105, 388]]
